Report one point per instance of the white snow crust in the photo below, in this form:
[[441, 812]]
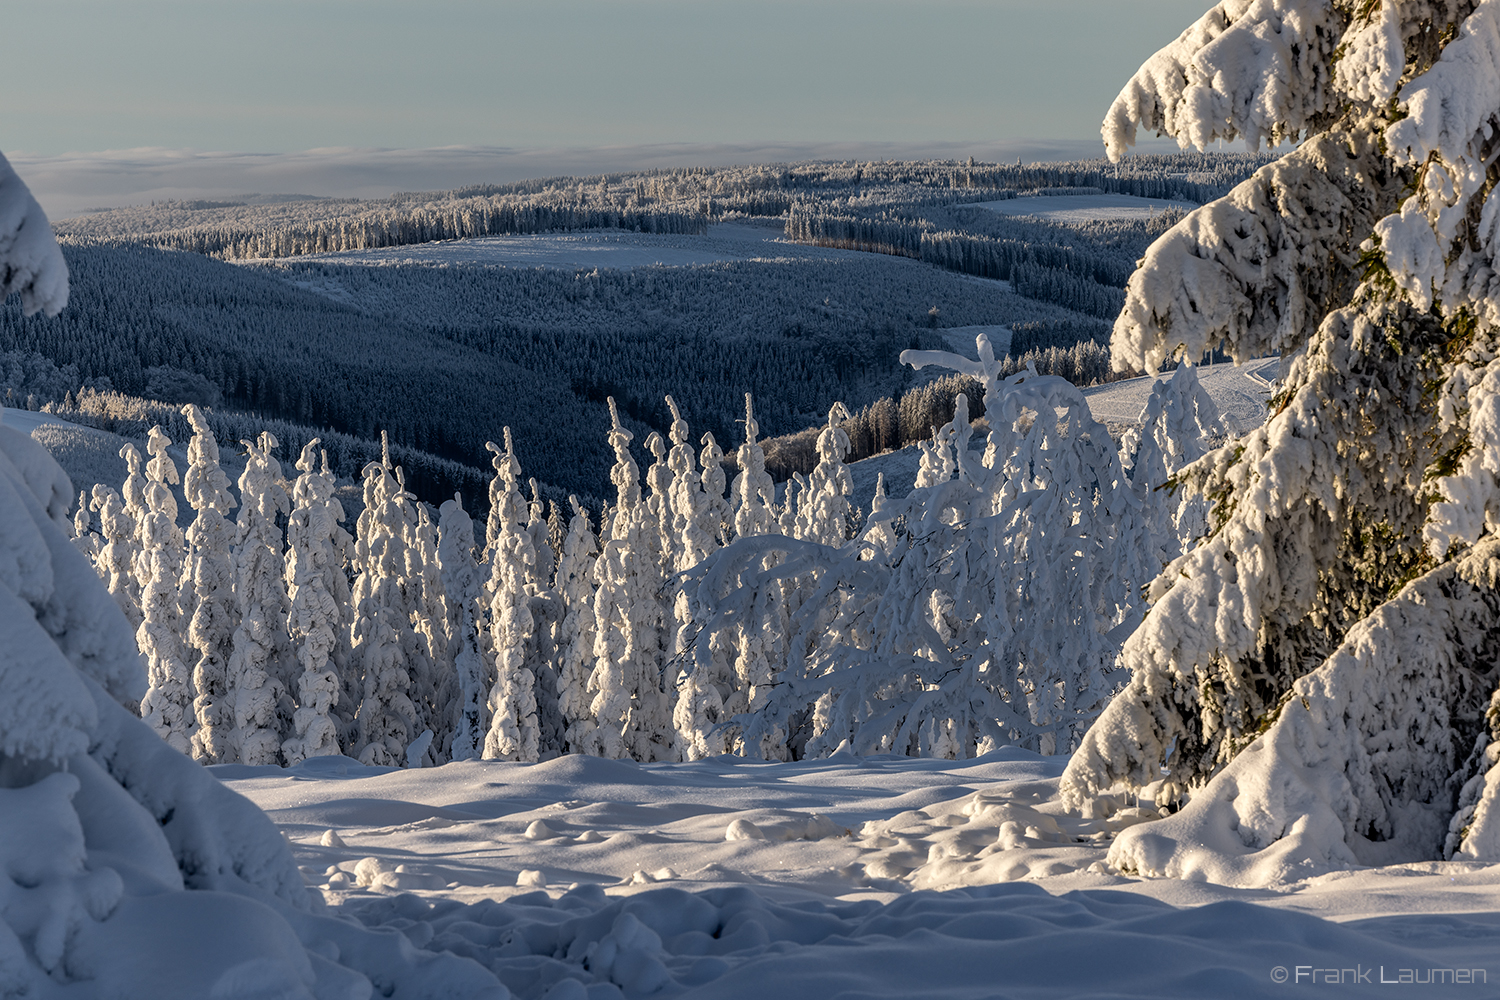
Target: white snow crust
[[871, 877]]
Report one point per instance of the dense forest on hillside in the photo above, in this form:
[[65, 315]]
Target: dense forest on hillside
[[444, 357]]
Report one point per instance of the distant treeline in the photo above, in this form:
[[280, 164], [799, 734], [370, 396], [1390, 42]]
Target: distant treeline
[[671, 201]]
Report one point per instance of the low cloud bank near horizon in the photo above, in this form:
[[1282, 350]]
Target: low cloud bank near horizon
[[74, 183]]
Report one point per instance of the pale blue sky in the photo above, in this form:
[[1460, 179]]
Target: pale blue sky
[[280, 75], [277, 76]]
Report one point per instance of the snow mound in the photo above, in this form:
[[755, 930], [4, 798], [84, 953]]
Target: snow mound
[[731, 942]]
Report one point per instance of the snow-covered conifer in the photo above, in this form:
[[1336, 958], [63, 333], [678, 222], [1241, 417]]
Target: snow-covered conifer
[[575, 643], [167, 707], [260, 641], [1346, 590], [513, 732], [825, 515], [115, 562], [210, 575], [30, 261], [760, 640], [630, 710], [318, 592], [85, 538], [719, 517], [382, 637], [466, 616]]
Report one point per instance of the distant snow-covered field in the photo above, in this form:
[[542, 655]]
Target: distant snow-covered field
[[735, 878], [603, 249], [1075, 208]]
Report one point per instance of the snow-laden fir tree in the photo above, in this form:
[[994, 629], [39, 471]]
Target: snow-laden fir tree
[[513, 732], [210, 575], [980, 610], [260, 642], [433, 687], [719, 518], [575, 643], [318, 594], [547, 614], [1179, 424], [381, 635], [824, 517], [631, 712], [463, 586], [115, 562], [167, 707], [760, 638], [85, 538], [1342, 618]]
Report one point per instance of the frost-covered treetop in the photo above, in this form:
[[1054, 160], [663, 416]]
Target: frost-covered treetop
[[30, 261]]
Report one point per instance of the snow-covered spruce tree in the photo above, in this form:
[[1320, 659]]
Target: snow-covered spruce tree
[[719, 518], [85, 538], [1342, 618], [318, 592], [575, 643], [433, 683], [168, 705], [760, 644], [381, 634], [696, 530], [466, 618], [115, 562], [513, 733], [631, 712], [210, 575], [824, 517], [980, 610], [547, 613], [260, 643], [1179, 424]]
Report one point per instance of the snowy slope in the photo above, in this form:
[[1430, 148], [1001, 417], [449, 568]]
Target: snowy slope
[[1084, 207], [602, 249], [729, 878]]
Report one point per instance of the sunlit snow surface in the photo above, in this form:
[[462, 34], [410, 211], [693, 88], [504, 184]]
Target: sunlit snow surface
[[875, 877], [605, 249], [1075, 208]]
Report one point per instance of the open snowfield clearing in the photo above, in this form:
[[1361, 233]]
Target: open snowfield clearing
[[731, 878], [601, 249], [1084, 207]]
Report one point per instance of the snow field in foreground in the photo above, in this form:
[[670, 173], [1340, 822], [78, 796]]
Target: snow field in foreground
[[583, 877]]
